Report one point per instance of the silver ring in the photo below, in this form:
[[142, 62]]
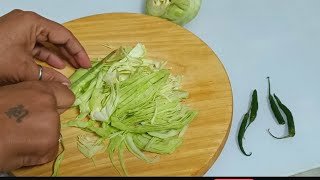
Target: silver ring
[[60, 138], [40, 73]]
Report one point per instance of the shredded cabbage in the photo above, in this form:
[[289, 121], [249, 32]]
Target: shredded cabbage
[[89, 145], [57, 162], [132, 102]]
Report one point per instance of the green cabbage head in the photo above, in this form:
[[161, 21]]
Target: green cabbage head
[[178, 11]]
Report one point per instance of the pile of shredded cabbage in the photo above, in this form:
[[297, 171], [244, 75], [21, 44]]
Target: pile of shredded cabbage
[[132, 103]]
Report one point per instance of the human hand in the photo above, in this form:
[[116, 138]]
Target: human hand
[[22, 36], [30, 122]]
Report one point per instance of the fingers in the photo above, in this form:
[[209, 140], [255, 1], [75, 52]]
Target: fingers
[[42, 53], [57, 34], [49, 74], [33, 72], [35, 160], [66, 54], [59, 85], [49, 157], [64, 96]]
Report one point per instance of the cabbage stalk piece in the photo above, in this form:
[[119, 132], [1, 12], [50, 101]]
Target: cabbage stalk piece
[[89, 145], [178, 11]]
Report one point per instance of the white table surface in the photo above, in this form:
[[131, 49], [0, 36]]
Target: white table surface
[[254, 39]]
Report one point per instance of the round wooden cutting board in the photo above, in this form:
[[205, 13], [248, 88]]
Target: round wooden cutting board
[[204, 78]]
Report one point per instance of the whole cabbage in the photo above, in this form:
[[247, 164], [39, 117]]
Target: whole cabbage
[[178, 11]]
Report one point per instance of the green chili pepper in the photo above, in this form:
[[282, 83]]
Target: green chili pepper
[[290, 121], [242, 130], [253, 107], [274, 107], [248, 118]]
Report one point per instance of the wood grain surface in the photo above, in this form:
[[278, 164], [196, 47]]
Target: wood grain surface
[[204, 78]]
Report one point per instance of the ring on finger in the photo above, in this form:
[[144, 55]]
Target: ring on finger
[[40, 72]]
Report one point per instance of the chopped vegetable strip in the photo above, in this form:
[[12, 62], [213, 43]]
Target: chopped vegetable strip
[[57, 162]]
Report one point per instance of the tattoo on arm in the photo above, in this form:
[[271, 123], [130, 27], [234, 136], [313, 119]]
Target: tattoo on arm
[[18, 113]]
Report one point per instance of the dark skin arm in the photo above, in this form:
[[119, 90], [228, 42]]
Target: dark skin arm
[[30, 109], [22, 35], [30, 122]]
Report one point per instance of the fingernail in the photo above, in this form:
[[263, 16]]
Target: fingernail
[[66, 84]]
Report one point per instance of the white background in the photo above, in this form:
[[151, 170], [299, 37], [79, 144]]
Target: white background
[[254, 39]]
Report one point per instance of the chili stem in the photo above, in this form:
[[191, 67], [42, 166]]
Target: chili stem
[[276, 136]]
